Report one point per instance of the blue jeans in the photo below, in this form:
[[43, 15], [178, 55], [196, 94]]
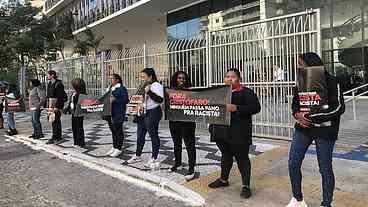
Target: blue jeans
[[10, 120], [36, 123], [324, 148], [149, 123]]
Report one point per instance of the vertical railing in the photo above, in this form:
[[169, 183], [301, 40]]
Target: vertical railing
[[259, 49]]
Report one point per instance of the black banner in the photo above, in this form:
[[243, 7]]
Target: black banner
[[14, 105], [312, 90], [93, 105], [198, 105]]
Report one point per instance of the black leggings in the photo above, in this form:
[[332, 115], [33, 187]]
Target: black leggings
[[117, 134], [184, 131], [241, 154], [78, 131]]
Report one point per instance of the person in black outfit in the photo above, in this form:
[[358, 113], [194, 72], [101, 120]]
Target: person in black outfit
[[235, 140], [79, 87], [183, 130], [55, 89]]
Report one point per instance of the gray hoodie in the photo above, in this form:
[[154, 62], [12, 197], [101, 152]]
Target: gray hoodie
[[37, 98]]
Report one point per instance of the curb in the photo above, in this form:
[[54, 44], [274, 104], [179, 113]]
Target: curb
[[161, 186]]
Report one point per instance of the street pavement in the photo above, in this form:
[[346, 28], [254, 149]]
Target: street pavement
[[270, 181], [36, 178]]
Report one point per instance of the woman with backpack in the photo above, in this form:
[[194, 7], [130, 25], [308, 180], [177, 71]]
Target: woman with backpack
[[37, 99]]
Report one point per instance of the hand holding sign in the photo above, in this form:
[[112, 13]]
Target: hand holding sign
[[231, 108], [302, 120]]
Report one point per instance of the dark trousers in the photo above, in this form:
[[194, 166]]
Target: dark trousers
[[241, 154], [56, 126], [184, 131], [117, 134], [1, 116], [36, 123], [324, 148], [149, 123], [78, 131]]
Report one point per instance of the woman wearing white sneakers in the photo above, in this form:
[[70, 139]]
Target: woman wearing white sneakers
[[149, 122]]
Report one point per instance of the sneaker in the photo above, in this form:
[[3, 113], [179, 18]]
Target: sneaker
[[134, 159], [32, 136], [12, 132], [37, 136], [176, 168], [110, 152], [116, 153], [50, 141], [58, 141], [246, 192], [15, 132], [218, 183], [296, 203], [150, 163], [189, 176]]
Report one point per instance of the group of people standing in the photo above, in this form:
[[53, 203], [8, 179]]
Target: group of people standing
[[233, 141]]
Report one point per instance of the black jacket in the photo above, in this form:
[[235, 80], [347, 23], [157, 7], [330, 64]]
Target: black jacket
[[240, 129], [326, 124], [56, 90]]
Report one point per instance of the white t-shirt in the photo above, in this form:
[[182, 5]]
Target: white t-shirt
[[158, 89]]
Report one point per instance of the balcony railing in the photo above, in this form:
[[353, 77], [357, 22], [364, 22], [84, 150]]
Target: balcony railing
[[50, 3], [84, 16]]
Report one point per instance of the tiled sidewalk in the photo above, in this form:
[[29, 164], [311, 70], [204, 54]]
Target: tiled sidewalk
[[99, 141]]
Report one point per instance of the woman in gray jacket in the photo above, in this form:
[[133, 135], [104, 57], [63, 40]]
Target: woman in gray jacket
[[37, 100]]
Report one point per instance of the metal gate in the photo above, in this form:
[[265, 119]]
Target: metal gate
[[265, 51]]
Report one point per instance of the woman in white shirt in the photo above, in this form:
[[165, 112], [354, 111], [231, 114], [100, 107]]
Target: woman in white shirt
[[149, 122]]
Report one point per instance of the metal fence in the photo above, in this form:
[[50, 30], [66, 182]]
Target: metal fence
[[265, 51]]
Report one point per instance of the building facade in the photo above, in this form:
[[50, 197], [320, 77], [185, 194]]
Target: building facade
[[127, 24]]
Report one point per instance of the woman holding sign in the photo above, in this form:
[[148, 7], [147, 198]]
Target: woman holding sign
[[149, 122], [79, 87], [118, 98], [322, 127], [12, 93], [235, 140], [183, 130]]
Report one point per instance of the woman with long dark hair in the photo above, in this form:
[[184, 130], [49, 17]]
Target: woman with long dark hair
[[322, 128], [79, 87], [119, 99], [149, 122], [235, 140], [183, 130], [37, 100]]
